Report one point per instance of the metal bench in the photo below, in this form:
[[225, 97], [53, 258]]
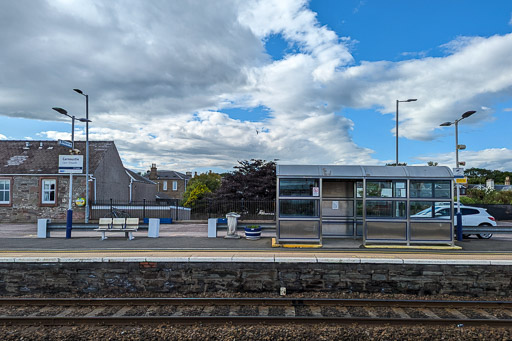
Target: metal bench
[[126, 225]]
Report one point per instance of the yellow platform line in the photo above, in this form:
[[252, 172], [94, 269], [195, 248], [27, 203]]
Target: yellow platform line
[[422, 247], [298, 246]]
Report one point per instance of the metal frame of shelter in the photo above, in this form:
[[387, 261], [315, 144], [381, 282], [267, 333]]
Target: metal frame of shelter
[[381, 204]]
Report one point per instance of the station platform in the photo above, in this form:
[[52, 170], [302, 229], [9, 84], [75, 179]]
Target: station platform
[[189, 243]]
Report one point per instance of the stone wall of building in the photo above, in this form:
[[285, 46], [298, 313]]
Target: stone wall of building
[[113, 278], [26, 206]]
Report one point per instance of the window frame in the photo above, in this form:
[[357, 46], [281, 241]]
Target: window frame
[[10, 181], [175, 185], [164, 185], [41, 192], [433, 191]]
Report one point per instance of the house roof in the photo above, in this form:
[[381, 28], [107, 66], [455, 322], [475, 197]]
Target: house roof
[[138, 178], [170, 175], [42, 157]]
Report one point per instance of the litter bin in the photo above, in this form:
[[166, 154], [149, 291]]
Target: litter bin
[[232, 223]]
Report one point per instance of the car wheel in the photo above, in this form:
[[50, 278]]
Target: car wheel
[[484, 235]]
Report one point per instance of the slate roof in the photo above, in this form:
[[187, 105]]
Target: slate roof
[[138, 178], [170, 175], [42, 157]]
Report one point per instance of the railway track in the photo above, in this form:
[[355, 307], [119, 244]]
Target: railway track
[[140, 311]]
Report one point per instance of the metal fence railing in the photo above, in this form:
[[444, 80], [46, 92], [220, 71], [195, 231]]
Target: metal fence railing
[[139, 209], [248, 210], [202, 210]]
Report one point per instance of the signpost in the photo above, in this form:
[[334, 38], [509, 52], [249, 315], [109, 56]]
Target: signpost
[[70, 164], [458, 174]]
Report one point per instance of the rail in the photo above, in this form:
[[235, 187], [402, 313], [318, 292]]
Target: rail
[[67, 311]]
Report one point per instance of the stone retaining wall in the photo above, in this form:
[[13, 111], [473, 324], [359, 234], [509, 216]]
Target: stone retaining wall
[[113, 278]]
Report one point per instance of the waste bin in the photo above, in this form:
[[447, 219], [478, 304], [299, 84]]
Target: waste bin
[[232, 223]]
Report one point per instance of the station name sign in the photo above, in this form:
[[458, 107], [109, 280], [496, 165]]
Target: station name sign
[[71, 164]]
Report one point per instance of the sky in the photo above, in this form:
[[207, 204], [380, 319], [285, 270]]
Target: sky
[[197, 85]]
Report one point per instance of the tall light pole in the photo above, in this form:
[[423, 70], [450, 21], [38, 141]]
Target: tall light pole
[[86, 154], [457, 164], [69, 217], [396, 117]]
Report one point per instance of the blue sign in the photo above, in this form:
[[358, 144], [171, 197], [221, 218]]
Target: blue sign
[[66, 143]]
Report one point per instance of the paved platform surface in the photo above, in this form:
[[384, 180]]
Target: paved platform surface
[[189, 243]]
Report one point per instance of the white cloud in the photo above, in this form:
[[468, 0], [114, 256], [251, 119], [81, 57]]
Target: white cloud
[[3, 137], [160, 73], [492, 158]]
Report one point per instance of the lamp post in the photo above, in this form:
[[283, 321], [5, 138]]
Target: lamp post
[[86, 153], [396, 117], [457, 164], [69, 217]]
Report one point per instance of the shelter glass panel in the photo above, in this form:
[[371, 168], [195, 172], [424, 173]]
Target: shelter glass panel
[[303, 229], [430, 210], [337, 189], [379, 189], [425, 231], [298, 187], [337, 208], [385, 209], [298, 208], [338, 228], [430, 189], [386, 230]]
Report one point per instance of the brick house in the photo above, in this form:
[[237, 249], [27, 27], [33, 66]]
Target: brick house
[[171, 184], [31, 186]]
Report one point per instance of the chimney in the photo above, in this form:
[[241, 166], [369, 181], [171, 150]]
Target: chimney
[[507, 181], [152, 173], [489, 183]]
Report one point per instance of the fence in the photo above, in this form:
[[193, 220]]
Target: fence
[[500, 212], [248, 210], [204, 209], [139, 209]]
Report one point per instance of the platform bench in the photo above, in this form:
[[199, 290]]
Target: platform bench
[[126, 225]]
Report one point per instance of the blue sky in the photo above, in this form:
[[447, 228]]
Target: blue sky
[[191, 87]]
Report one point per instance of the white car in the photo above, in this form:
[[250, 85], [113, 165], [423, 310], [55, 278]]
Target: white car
[[471, 216]]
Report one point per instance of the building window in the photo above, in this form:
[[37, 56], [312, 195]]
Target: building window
[[175, 185], [48, 191], [165, 185], [5, 191]]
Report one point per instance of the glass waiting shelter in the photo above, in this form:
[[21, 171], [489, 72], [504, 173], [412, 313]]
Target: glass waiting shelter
[[380, 204]]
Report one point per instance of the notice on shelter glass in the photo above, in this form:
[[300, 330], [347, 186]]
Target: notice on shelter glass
[[316, 191], [335, 205]]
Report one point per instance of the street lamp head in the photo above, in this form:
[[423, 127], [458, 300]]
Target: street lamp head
[[83, 120], [79, 91], [61, 111], [468, 113], [412, 100], [446, 124]]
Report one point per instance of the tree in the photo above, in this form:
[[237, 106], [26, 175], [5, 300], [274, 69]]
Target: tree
[[432, 163], [211, 182], [480, 175], [199, 190], [251, 180]]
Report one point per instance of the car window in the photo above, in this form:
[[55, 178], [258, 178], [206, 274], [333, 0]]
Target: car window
[[469, 211]]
